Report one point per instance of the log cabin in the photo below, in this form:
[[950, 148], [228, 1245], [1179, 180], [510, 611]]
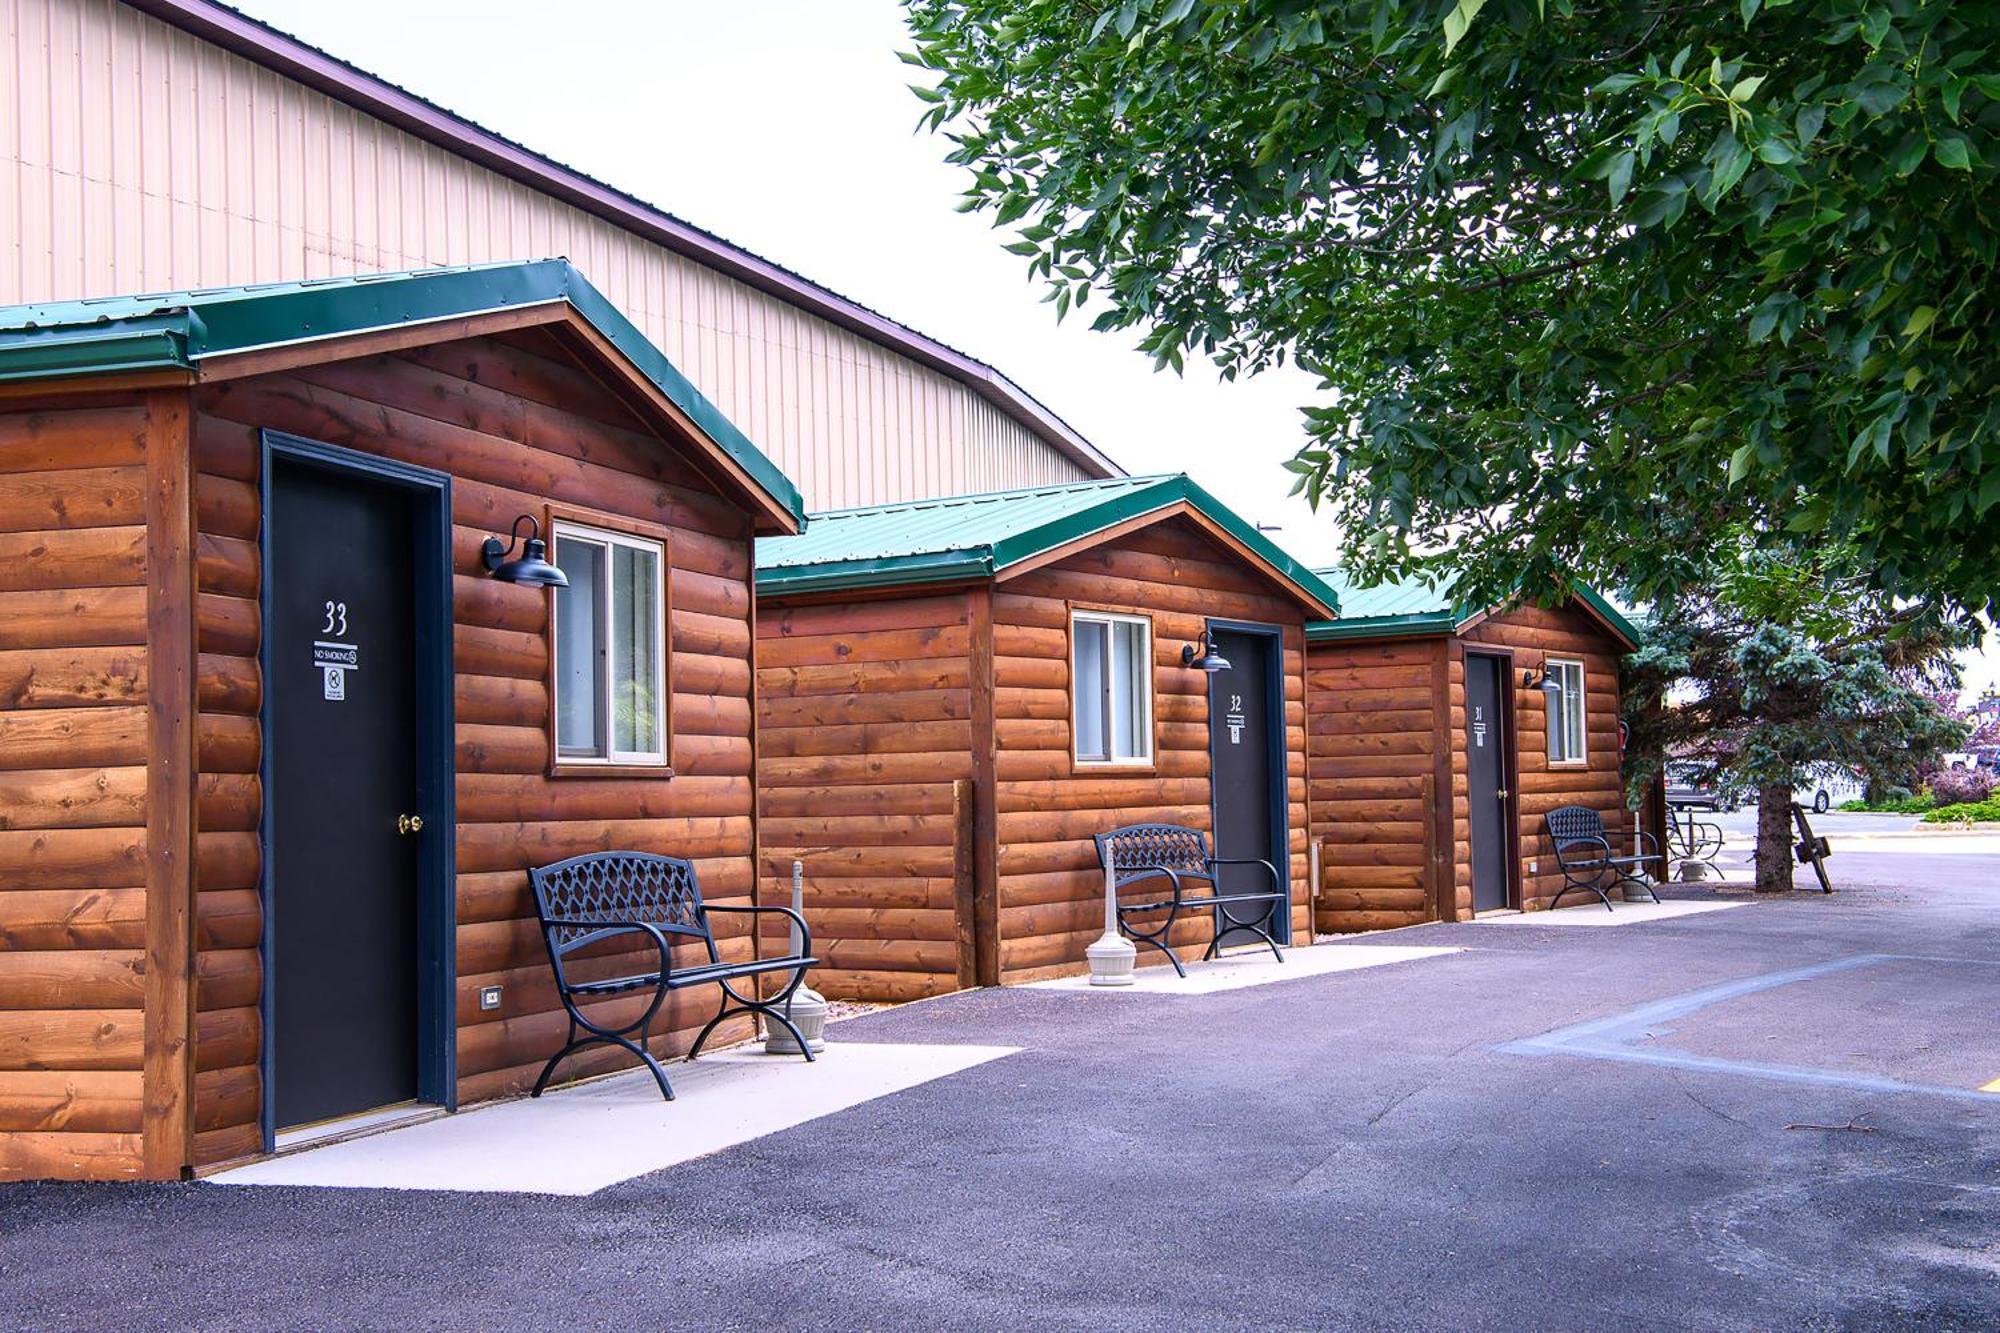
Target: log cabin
[[1441, 735], [955, 695], [285, 717]]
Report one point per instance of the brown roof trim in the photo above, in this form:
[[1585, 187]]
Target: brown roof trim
[[286, 55]]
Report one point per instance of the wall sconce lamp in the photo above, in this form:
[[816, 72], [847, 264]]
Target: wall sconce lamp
[[1205, 656], [1546, 682], [533, 567]]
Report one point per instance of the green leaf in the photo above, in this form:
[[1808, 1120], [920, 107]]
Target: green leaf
[[1766, 317], [1619, 178], [1739, 462], [1953, 153], [1746, 89], [1458, 21], [1920, 319], [1022, 248]]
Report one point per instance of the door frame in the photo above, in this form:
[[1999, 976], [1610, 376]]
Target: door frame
[[1510, 775], [436, 763], [1275, 749]]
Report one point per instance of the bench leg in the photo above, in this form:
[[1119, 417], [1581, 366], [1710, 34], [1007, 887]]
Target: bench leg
[[599, 1036], [1234, 925], [1590, 887], [1155, 937], [603, 1039], [771, 1009]]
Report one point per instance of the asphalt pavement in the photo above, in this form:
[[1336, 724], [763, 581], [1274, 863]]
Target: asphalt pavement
[[1765, 1117]]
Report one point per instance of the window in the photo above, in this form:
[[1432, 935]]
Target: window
[[1111, 688], [1566, 713], [610, 637]]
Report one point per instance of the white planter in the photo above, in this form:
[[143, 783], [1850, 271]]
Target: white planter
[[807, 1008], [1111, 960]]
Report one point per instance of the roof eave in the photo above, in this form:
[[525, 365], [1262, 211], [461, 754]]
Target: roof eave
[[882, 572], [226, 328], [121, 347], [1165, 494], [1418, 624]]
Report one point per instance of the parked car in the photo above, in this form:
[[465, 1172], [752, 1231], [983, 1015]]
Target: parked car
[[1692, 786], [1826, 790]]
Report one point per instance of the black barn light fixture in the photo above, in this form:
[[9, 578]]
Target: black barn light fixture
[[533, 567], [1205, 656]]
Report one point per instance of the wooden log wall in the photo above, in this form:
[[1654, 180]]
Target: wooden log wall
[[1379, 755], [518, 423], [1050, 890], [1535, 633], [865, 725], [74, 803]]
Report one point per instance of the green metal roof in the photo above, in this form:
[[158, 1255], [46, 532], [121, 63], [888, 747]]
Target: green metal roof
[[963, 537], [178, 330], [1410, 607]]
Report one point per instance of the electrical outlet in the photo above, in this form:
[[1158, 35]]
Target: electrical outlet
[[489, 997], [1534, 867]]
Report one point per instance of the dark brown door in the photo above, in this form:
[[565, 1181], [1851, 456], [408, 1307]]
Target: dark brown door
[[1246, 758], [1486, 774], [342, 964]]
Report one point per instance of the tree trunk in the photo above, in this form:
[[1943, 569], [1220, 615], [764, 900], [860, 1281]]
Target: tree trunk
[[1774, 839]]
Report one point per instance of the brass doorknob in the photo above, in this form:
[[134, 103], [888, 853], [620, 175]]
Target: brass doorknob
[[409, 823]]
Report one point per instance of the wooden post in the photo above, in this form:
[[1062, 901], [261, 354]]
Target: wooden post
[[985, 783], [167, 1108], [1433, 863], [964, 884]]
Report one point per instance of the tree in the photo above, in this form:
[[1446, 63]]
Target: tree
[[1794, 672], [1585, 282]]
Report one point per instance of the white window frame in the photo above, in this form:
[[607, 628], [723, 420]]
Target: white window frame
[[1564, 669], [1144, 729], [564, 530]]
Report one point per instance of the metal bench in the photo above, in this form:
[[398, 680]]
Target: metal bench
[[585, 901], [1691, 839], [1585, 856], [1139, 853]]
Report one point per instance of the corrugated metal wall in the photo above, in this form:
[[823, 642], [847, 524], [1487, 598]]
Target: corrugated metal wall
[[134, 157]]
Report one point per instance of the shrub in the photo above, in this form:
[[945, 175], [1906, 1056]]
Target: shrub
[[1961, 786], [1968, 812], [1895, 801]]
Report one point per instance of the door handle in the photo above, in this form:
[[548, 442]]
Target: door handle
[[409, 824], [1500, 792]]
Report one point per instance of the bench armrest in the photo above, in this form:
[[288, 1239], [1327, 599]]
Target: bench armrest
[[1277, 884], [805, 931], [1564, 847], [597, 930]]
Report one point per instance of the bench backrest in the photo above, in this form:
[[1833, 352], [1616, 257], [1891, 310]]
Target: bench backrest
[[1140, 846], [1571, 824], [603, 887]]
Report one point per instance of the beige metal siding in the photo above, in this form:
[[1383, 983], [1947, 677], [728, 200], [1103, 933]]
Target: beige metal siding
[[135, 157]]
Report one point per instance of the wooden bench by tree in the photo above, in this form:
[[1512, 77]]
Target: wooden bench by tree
[[587, 900], [1586, 858], [1140, 853]]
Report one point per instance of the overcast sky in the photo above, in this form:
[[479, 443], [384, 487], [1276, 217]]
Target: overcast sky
[[785, 126]]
